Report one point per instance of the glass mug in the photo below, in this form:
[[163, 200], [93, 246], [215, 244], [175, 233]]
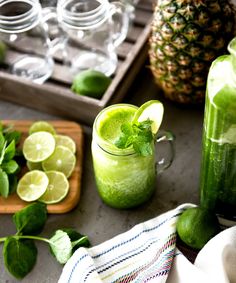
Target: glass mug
[[124, 179], [93, 29], [24, 31]]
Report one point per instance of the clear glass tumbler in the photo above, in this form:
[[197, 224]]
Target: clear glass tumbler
[[93, 29], [24, 31]]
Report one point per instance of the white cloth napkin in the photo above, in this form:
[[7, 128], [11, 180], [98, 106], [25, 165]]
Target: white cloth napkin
[[148, 253]]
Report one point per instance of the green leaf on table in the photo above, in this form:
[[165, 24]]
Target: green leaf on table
[[19, 256], [4, 184], [138, 135], [10, 167], [10, 151], [78, 240], [31, 219], [61, 246]]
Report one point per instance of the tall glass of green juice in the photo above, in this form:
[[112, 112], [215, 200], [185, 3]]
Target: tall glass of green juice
[[124, 178], [218, 166]]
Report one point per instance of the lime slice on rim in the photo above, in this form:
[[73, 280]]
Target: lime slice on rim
[[57, 188], [152, 110], [32, 185], [38, 146], [65, 141], [42, 126], [62, 160]]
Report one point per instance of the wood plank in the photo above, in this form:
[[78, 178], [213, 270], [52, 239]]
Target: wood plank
[[142, 17], [133, 33], [13, 203], [55, 97]]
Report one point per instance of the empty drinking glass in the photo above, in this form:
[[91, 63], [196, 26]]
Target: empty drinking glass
[[93, 29], [24, 31]]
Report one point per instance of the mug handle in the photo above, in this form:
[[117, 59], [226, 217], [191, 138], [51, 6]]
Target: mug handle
[[121, 24], [162, 164], [54, 32]]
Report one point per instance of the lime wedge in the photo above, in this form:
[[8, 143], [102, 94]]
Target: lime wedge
[[62, 160], [42, 126], [152, 110], [38, 146], [57, 188], [65, 141], [32, 185]]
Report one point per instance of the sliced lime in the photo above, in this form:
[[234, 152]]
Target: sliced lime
[[34, 165], [32, 185], [38, 146], [152, 110], [65, 141], [42, 126], [57, 188], [62, 160]]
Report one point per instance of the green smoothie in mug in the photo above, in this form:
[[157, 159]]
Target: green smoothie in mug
[[124, 177]]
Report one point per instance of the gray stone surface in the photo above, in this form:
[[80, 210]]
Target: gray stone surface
[[177, 185]]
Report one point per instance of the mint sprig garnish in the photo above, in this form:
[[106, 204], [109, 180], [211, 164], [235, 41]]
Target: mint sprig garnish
[[137, 135]]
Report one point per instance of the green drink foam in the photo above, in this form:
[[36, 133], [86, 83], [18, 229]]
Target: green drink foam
[[111, 120]]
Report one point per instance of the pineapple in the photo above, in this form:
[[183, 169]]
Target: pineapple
[[186, 36]]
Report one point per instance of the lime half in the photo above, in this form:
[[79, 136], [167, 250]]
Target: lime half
[[152, 110], [65, 141], [32, 185], [62, 160], [42, 126], [38, 146], [57, 188]]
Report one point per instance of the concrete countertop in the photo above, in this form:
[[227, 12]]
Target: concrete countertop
[[177, 185]]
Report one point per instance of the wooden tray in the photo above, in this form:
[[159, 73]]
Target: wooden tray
[[13, 203], [55, 96]]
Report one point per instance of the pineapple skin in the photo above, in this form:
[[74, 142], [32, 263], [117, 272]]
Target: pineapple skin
[[186, 36]]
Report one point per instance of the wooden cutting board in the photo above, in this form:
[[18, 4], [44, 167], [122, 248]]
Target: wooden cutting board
[[13, 203]]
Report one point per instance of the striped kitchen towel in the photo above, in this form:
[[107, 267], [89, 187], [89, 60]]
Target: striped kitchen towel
[[143, 254]]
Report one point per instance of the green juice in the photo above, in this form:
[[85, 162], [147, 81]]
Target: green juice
[[218, 167], [124, 179]]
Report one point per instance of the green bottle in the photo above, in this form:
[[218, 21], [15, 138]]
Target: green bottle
[[218, 166]]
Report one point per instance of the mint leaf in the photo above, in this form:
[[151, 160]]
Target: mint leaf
[[10, 151], [138, 135], [19, 256], [4, 184], [2, 141], [12, 183], [10, 167], [61, 246], [13, 135], [31, 219], [77, 239]]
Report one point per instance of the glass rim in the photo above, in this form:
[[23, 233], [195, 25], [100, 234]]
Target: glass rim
[[83, 20], [23, 21], [232, 46]]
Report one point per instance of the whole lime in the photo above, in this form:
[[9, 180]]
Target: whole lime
[[196, 226], [90, 83]]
